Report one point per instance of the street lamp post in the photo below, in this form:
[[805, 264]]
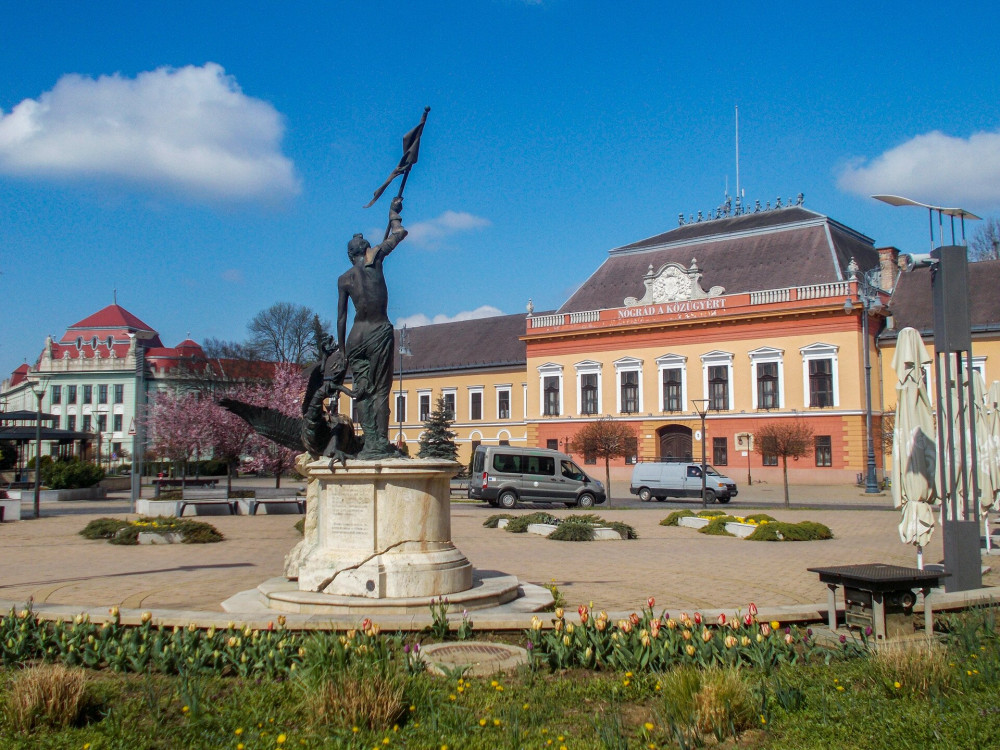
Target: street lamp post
[[404, 351], [701, 407], [38, 388], [871, 304]]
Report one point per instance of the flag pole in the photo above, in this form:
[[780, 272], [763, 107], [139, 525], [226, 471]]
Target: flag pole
[[406, 174]]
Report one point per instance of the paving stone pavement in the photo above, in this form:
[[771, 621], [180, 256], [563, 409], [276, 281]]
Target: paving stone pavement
[[47, 561]]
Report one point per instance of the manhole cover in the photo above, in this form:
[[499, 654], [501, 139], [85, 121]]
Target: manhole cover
[[477, 657]]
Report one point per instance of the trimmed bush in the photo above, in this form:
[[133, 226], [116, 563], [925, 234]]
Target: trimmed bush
[[571, 530], [519, 524], [778, 531], [624, 530], [70, 474], [758, 517], [493, 521], [676, 516], [717, 526], [103, 528]]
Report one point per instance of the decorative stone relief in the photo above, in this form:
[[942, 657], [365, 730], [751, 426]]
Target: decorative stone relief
[[673, 283]]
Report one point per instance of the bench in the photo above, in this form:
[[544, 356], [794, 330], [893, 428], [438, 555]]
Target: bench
[[207, 497], [161, 484], [276, 495]]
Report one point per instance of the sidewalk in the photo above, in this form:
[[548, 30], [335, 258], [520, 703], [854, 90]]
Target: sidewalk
[[47, 561]]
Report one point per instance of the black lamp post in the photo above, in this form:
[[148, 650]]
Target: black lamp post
[[38, 388], [404, 351], [871, 304], [701, 407]]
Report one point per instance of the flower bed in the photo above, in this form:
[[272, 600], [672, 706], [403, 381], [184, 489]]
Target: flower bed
[[580, 527], [757, 527], [170, 529]]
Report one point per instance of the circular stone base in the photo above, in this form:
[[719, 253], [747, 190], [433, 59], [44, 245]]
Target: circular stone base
[[477, 658], [284, 595]]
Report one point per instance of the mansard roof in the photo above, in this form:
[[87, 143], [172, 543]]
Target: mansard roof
[[783, 247], [112, 316], [465, 345], [912, 302]]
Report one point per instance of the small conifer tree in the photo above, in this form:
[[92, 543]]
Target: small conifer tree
[[438, 441]]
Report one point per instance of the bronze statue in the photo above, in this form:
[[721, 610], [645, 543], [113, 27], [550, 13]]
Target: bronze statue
[[370, 344], [319, 432]]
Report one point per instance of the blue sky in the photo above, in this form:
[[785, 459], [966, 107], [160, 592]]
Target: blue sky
[[209, 159]]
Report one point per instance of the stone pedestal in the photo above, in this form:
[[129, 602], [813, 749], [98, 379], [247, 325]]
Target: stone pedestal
[[379, 530]]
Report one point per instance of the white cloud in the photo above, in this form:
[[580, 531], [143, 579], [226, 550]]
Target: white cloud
[[190, 130], [432, 234], [415, 321], [933, 168]]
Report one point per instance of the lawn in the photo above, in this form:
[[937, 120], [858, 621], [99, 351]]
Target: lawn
[[147, 687]]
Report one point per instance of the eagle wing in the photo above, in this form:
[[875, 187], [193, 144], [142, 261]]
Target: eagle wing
[[270, 423]]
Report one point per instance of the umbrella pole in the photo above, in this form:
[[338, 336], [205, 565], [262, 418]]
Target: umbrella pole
[[920, 557], [986, 531]]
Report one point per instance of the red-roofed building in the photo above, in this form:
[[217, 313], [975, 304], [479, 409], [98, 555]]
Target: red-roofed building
[[101, 370]]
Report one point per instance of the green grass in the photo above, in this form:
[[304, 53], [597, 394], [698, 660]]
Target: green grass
[[941, 694]]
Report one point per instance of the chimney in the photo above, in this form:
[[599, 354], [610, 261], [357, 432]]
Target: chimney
[[888, 261]]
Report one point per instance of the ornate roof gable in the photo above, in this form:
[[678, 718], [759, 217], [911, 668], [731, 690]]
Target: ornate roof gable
[[673, 283]]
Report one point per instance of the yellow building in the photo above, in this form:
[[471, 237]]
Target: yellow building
[[742, 315]]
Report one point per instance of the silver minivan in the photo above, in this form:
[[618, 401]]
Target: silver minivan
[[682, 479], [504, 476]]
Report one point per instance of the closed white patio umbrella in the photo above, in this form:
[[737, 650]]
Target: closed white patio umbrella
[[914, 454]]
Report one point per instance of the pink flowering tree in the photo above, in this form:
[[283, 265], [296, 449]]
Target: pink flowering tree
[[284, 394], [229, 437], [177, 428]]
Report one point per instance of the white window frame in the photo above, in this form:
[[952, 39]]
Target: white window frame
[[482, 405], [421, 392], [819, 350], [768, 354], [589, 367], [718, 358], [507, 387], [671, 362], [453, 392], [406, 405], [550, 370], [627, 364], [979, 365]]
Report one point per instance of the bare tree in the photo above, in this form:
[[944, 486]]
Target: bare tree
[[985, 241], [283, 332], [786, 438], [606, 438], [220, 349]]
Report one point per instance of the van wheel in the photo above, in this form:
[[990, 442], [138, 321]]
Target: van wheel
[[507, 500], [723, 500], [645, 494], [709, 496], [660, 498], [586, 500]]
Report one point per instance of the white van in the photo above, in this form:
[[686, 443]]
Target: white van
[[663, 480], [504, 476]]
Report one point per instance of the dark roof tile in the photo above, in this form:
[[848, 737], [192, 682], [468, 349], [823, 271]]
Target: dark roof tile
[[466, 344]]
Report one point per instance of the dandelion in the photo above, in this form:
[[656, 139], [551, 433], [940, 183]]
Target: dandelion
[[184, 709], [496, 722], [840, 688], [482, 722], [239, 746], [451, 697], [281, 739], [524, 707], [412, 709], [238, 731], [897, 685], [763, 719], [648, 726]]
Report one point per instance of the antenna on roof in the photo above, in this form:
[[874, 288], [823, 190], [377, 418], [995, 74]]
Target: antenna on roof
[[114, 295], [738, 193]]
